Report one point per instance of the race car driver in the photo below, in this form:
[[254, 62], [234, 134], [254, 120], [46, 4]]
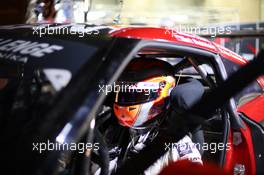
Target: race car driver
[[143, 103]]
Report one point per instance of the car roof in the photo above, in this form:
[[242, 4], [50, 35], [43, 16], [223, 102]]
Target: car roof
[[26, 31], [164, 34], [171, 35]]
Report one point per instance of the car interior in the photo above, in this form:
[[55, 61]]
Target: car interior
[[186, 67]]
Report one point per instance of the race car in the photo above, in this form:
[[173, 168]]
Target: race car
[[51, 85]]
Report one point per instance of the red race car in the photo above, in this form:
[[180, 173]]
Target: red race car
[[243, 155], [42, 59]]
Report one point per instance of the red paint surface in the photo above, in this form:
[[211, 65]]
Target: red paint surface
[[254, 109], [242, 153]]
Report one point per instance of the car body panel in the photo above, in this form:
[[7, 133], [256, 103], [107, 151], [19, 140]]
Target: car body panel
[[22, 45], [241, 151], [254, 109]]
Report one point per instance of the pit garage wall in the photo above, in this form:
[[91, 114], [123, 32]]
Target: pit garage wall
[[195, 11], [157, 12]]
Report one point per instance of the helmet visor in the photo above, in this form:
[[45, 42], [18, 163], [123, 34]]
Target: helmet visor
[[132, 98], [137, 94]]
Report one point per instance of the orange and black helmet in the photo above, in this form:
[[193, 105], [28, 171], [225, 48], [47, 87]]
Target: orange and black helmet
[[144, 88]]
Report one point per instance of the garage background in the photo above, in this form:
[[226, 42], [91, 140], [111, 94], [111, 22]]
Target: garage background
[[241, 15]]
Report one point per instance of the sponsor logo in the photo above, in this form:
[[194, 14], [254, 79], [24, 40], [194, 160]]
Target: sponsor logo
[[18, 50], [183, 149]]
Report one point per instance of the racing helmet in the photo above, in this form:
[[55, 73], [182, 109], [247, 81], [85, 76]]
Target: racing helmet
[[144, 88]]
